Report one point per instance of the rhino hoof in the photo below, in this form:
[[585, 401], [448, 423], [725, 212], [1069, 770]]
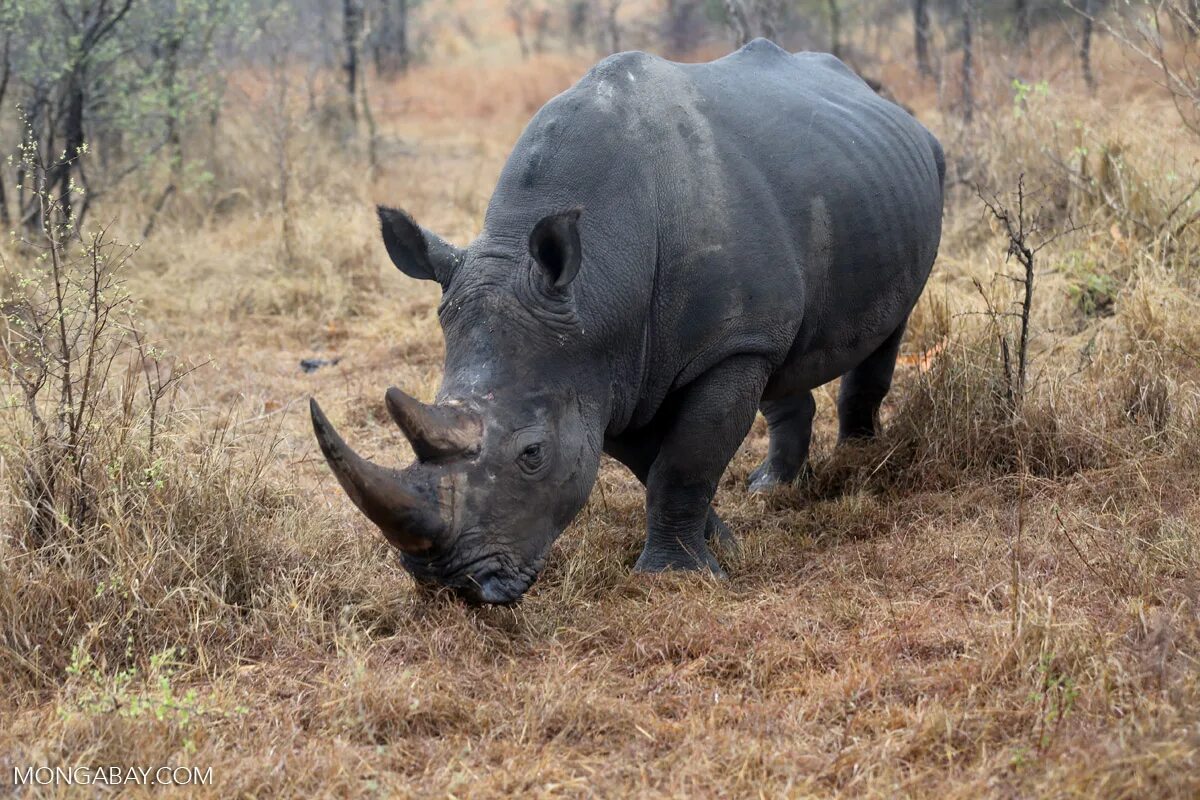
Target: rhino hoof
[[764, 478], [659, 560]]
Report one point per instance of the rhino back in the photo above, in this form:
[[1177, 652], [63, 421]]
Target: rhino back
[[764, 202]]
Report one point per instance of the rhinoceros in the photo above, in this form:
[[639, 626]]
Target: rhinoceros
[[670, 247]]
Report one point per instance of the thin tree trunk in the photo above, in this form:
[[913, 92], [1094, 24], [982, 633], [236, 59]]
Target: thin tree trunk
[[835, 28], [1085, 46], [516, 14], [968, 65], [279, 128], [614, 29], [578, 12], [5, 217], [765, 13], [351, 31], [921, 37], [170, 57], [401, 42], [541, 25], [1021, 13], [74, 144], [381, 38], [389, 37], [738, 22], [676, 24], [96, 24], [372, 132]]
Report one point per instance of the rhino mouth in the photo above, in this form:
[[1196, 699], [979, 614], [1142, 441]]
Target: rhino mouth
[[490, 580], [496, 588]]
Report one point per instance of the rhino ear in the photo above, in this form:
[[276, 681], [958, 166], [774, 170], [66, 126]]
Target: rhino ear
[[414, 250], [554, 245]]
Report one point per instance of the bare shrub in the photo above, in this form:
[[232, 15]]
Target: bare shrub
[[110, 509], [69, 331]]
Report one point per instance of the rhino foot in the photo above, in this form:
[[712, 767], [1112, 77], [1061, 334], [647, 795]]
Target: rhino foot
[[767, 477], [764, 479], [657, 559]]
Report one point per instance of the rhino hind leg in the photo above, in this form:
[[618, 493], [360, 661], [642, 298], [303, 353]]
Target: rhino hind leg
[[789, 422], [863, 389], [712, 420]]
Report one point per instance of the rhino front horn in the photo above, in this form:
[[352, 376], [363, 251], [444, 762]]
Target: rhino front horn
[[436, 433], [408, 517]]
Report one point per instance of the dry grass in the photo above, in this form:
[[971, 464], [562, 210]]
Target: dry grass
[[976, 604]]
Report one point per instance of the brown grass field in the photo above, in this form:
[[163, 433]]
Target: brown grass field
[[980, 603]]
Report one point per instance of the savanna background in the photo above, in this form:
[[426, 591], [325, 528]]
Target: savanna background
[[998, 597]]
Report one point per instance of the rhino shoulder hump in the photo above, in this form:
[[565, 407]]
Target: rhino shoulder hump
[[620, 69], [761, 47], [826, 61]]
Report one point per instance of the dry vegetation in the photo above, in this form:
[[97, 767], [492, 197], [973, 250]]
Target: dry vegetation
[[990, 600]]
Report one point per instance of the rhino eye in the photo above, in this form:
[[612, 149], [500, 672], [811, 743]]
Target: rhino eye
[[532, 457]]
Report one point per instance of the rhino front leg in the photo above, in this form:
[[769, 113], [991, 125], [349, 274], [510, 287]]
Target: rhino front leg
[[638, 452], [712, 420]]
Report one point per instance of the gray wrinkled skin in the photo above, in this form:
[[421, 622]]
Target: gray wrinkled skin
[[669, 248]]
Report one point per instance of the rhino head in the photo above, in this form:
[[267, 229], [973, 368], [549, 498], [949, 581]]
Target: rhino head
[[508, 453]]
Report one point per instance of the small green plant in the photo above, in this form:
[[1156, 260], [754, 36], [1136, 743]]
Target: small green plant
[[1055, 695], [1095, 294], [131, 694], [128, 694], [1092, 287], [1022, 92]]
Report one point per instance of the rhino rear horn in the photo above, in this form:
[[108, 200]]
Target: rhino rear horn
[[436, 432], [408, 517]]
